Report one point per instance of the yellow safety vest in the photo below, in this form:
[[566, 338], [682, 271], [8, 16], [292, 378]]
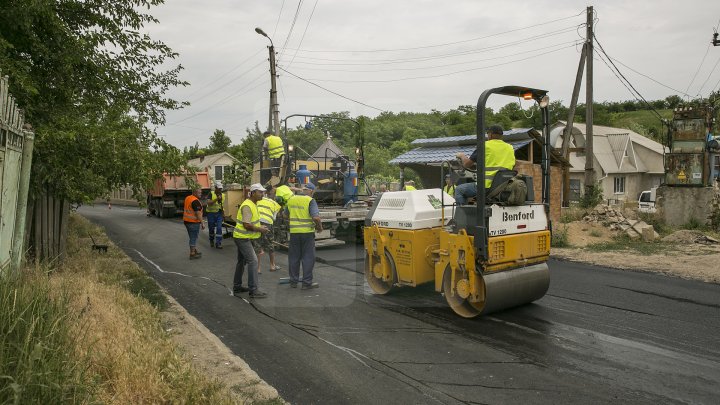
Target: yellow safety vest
[[300, 219], [240, 231], [267, 208], [275, 146], [410, 188], [214, 207], [284, 192], [498, 155], [449, 189]]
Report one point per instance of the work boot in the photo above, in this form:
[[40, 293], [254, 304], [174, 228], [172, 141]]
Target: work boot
[[258, 294], [309, 286], [218, 246], [195, 256], [239, 290]]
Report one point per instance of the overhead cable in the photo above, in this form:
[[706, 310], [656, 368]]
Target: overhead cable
[[440, 56], [440, 45], [330, 91], [445, 74], [304, 32]]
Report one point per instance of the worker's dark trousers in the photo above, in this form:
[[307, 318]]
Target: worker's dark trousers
[[215, 229], [245, 255], [301, 250]]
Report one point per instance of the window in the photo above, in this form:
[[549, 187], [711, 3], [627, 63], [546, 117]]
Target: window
[[218, 172], [574, 190], [619, 185]]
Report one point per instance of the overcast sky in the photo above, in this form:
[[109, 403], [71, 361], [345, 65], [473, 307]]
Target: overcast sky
[[419, 55]]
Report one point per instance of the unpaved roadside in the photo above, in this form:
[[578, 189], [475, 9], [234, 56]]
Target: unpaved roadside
[[684, 259]]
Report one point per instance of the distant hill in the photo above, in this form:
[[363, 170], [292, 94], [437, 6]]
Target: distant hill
[[644, 122]]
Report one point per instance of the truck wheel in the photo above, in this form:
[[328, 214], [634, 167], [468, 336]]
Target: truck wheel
[[373, 274], [168, 212]]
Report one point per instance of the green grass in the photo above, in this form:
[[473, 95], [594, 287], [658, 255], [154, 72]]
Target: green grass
[[624, 243], [642, 122], [35, 363]]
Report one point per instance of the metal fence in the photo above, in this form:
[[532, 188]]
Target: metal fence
[[16, 146]]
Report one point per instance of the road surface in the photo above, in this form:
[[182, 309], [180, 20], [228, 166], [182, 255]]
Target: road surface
[[599, 335]]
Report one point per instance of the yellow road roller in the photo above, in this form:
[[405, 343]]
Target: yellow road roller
[[482, 257]]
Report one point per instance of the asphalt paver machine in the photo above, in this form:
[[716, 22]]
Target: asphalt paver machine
[[484, 257]]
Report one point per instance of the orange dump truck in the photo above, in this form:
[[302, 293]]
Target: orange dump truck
[[167, 197]]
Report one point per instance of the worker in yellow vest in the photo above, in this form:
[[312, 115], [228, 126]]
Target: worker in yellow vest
[[193, 220], [248, 231], [215, 215], [274, 150], [409, 186], [499, 155], [268, 209], [304, 217], [449, 187]]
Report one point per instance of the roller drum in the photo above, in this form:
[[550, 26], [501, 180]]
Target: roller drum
[[515, 287]]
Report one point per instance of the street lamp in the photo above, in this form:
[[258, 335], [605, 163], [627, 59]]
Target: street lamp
[[274, 114]]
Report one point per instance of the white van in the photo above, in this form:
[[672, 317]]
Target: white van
[[646, 202]]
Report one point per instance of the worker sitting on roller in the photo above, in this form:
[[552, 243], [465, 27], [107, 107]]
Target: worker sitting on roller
[[499, 155], [274, 149]]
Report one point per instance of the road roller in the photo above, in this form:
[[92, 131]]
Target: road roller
[[482, 257]]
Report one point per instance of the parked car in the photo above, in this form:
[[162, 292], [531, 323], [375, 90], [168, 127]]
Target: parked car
[[646, 202]]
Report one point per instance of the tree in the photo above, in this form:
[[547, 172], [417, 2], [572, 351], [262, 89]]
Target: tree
[[88, 81], [219, 142]]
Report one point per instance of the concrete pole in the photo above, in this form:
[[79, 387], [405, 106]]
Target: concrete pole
[[274, 106], [589, 156], [18, 248], [568, 128]]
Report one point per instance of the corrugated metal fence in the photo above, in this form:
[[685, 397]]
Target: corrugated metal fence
[[16, 145]]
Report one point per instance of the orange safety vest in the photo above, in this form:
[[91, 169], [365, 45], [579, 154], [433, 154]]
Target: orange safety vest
[[189, 214]]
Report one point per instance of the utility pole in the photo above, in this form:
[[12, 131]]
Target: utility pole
[[589, 157], [274, 112], [569, 127]]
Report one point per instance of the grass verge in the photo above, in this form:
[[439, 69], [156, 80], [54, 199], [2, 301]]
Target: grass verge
[[90, 331]]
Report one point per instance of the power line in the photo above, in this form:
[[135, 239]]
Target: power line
[[445, 74], [292, 26], [212, 92], [425, 58], [222, 100], [625, 79], [328, 90], [650, 78], [224, 74], [710, 74], [698, 69], [304, 32], [282, 6], [574, 42], [440, 45]]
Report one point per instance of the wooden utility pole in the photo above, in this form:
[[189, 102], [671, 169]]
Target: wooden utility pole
[[569, 127], [589, 157]]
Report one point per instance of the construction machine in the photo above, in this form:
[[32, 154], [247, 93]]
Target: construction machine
[[484, 257]]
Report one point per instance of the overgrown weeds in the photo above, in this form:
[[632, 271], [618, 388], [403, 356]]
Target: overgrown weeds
[[560, 238], [89, 331]]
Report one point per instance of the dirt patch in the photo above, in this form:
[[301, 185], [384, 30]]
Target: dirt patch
[[677, 254], [211, 355]]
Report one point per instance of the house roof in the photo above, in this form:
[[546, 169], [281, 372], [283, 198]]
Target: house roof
[[209, 160], [329, 149], [438, 150], [439, 154], [615, 149]]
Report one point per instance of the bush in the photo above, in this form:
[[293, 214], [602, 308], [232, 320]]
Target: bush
[[560, 238], [593, 196]]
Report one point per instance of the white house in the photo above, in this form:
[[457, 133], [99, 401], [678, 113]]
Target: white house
[[626, 163], [215, 165]]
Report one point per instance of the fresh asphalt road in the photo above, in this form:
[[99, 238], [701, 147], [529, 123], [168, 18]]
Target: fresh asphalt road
[[599, 335]]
